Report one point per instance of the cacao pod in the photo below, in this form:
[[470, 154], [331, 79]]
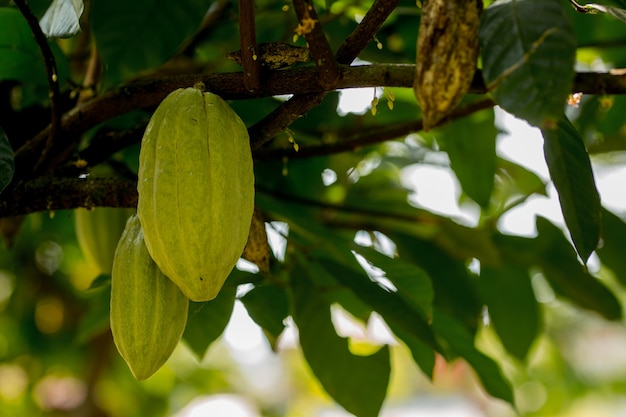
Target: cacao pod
[[98, 230], [447, 51], [196, 190], [148, 311]]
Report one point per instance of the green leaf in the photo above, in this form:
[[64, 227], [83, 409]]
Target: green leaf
[[358, 383], [522, 181], [461, 342], [455, 291], [611, 251], [142, 34], [512, 306], [21, 57], [567, 276], [390, 305], [7, 166], [471, 145], [524, 45], [570, 170], [423, 355], [268, 306], [62, 19], [206, 321], [412, 282]]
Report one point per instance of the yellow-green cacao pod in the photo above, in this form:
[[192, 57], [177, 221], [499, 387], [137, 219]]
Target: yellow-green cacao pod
[[98, 230], [148, 311], [196, 190]]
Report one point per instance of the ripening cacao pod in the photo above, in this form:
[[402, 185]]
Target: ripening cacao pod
[[447, 52], [148, 311], [98, 230], [196, 190]]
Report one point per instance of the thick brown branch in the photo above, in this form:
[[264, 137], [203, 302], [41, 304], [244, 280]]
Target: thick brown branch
[[311, 27], [230, 86], [51, 193]]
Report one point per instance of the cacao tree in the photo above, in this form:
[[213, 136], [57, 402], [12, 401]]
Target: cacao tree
[[335, 225]]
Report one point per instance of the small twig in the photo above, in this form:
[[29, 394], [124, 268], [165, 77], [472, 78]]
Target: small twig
[[249, 49], [319, 48], [51, 71], [292, 109], [365, 31], [370, 137]]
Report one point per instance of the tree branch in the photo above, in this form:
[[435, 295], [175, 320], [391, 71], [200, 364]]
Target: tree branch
[[249, 49], [283, 116], [51, 193], [311, 27], [53, 77], [149, 93], [370, 137]]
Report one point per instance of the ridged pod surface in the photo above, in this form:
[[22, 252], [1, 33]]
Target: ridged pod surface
[[447, 51], [196, 190], [98, 230], [148, 311]]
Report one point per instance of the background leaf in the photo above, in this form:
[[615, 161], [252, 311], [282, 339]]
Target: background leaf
[[357, 383], [472, 155], [524, 43], [141, 35], [513, 309], [611, 251], [268, 306], [206, 321], [461, 342], [570, 170], [567, 276]]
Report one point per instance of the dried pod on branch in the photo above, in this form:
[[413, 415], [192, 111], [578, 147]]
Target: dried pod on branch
[[447, 50]]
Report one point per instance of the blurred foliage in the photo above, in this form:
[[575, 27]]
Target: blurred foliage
[[535, 321]]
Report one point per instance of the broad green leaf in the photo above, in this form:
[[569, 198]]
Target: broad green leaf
[[390, 305], [268, 306], [142, 34], [528, 51], [423, 355], [206, 321], [570, 170], [461, 343], [62, 19], [512, 306], [456, 291], [412, 282], [523, 181], [611, 251], [471, 145], [358, 383], [22, 60], [567, 276], [7, 166]]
